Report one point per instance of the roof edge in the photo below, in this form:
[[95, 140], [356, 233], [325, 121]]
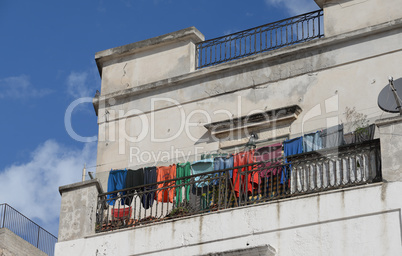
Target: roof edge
[[191, 34]]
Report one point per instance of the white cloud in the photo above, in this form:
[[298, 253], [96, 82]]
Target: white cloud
[[18, 87], [294, 7], [230, 31], [83, 84], [32, 187]]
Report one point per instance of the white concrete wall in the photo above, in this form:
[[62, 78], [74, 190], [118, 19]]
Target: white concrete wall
[[78, 209], [362, 221], [390, 130], [323, 77], [342, 16], [13, 245], [161, 115], [148, 61]]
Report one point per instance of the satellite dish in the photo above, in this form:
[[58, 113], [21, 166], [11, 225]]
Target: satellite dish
[[390, 97]]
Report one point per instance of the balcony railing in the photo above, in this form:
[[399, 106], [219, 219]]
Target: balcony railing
[[312, 172], [268, 37], [25, 228]]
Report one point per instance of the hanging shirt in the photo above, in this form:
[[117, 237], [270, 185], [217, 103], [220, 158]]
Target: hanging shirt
[[202, 166], [134, 178], [116, 181], [165, 173], [312, 141], [269, 156], [332, 137], [149, 191], [365, 134], [291, 147], [221, 163], [244, 178], [182, 171]]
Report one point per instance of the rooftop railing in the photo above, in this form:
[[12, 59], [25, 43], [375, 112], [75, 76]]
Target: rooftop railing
[[256, 40], [313, 172], [25, 228]]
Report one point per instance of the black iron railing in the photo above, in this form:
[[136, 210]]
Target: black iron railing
[[312, 172], [25, 228], [252, 41]]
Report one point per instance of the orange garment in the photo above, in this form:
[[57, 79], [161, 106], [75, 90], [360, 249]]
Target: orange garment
[[241, 178], [165, 173]]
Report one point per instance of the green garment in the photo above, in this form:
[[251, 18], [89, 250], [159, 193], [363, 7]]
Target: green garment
[[182, 170]]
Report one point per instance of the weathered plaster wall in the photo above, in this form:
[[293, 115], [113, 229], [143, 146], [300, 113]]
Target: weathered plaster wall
[[342, 16], [13, 245], [323, 77], [148, 61], [78, 209], [390, 130], [362, 221], [148, 66], [347, 68]]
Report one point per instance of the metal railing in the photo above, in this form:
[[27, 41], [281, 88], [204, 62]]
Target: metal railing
[[25, 228], [267, 37], [312, 172]]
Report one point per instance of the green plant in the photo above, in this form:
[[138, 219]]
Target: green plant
[[355, 121], [178, 211]]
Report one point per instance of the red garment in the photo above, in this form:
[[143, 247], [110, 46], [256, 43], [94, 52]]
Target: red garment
[[164, 173], [243, 177], [270, 156]]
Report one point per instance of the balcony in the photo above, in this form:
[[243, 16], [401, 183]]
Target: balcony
[[307, 173], [260, 39], [25, 228]]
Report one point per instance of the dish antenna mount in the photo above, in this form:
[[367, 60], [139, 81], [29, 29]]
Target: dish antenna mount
[[389, 98]]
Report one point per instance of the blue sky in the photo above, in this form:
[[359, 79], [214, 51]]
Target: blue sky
[[47, 62]]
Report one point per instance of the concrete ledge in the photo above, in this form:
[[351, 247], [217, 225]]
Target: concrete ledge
[[80, 185], [388, 121], [321, 3], [265, 250]]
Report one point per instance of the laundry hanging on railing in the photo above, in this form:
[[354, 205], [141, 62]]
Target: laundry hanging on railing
[[290, 147], [182, 171], [150, 177], [332, 136], [134, 178], [269, 156], [270, 162], [200, 167], [223, 162], [312, 141], [244, 182], [116, 181], [166, 189]]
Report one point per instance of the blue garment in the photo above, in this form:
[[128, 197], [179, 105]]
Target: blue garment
[[116, 181], [291, 147], [221, 163], [202, 166], [312, 141]]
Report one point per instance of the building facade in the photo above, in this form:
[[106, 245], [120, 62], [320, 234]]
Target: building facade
[[177, 98]]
